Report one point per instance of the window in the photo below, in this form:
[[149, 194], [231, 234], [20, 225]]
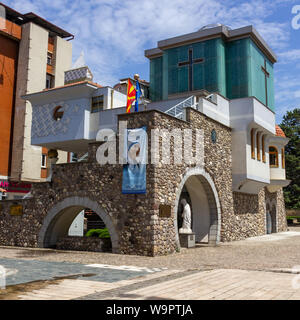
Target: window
[[49, 58], [263, 149], [74, 157], [252, 144], [282, 158], [49, 81], [3, 195], [258, 145], [44, 161], [58, 113], [273, 155], [97, 104]]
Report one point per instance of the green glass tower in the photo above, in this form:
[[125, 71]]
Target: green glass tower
[[234, 63]]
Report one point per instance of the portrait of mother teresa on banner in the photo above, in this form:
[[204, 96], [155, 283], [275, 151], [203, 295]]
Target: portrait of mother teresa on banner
[[135, 153]]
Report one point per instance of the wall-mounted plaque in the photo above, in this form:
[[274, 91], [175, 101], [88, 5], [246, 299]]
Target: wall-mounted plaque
[[164, 211], [16, 210]]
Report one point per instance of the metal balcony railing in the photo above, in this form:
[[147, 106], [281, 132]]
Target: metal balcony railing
[[177, 110]]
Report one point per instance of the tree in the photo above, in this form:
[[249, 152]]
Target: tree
[[291, 127]]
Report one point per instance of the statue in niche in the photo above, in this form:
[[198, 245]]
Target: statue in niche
[[187, 218]]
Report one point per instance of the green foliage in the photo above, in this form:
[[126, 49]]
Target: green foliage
[[291, 127], [98, 233]]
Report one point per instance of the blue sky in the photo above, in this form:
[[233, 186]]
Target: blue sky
[[114, 34]]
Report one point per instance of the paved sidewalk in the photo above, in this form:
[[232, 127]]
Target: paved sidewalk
[[263, 267], [68, 289], [221, 284], [275, 251]]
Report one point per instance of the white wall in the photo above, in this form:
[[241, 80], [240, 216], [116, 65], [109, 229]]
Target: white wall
[[218, 111], [249, 175], [32, 68], [257, 169], [72, 132], [63, 60], [200, 209], [37, 65], [279, 143], [112, 98], [249, 110], [77, 226], [73, 125]]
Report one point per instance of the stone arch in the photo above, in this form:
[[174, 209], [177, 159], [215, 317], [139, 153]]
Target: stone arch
[[60, 216], [213, 200]]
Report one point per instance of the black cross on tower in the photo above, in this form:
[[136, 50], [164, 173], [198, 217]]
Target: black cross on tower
[[267, 75], [190, 63]]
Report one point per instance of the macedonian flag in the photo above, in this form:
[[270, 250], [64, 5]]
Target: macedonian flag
[[131, 96]]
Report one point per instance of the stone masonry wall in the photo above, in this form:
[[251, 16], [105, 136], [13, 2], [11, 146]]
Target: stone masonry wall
[[276, 200], [250, 212], [84, 244], [167, 178], [249, 215], [136, 219]]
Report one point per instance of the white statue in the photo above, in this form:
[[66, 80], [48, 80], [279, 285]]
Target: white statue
[[187, 218]]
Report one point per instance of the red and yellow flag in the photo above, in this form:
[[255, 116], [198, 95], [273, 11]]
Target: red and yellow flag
[[131, 96]]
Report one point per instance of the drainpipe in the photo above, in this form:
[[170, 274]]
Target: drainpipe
[[111, 98]]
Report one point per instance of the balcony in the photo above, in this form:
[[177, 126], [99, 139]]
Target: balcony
[[10, 29], [252, 124], [277, 161]]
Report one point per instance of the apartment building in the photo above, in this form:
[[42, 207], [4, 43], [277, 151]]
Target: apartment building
[[34, 54]]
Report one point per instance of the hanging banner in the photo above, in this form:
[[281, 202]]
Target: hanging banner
[[135, 155]]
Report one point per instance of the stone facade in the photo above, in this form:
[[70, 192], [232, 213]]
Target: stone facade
[[134, 220], [250, 214], [275, 201], [84, 244], [249, 217]]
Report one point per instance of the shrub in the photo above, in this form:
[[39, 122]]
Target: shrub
[[98, 233]]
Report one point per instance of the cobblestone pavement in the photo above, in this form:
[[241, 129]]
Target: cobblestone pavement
[[256, 268], [259, 253]]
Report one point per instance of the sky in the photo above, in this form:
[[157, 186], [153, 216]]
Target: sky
[[114, 33]]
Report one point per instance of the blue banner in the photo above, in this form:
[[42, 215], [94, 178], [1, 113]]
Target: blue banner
[[137, 96], [135, 153]]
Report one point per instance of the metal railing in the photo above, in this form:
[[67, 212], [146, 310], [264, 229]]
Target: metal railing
[[177, 110], [83, 158]]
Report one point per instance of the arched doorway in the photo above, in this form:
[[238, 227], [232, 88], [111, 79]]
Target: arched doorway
[[57, 222], [199, 190]]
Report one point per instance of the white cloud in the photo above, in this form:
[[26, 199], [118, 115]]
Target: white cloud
[[115, 33], [289, 56]]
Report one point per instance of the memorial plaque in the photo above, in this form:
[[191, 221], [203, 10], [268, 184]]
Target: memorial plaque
[[164, 211], [16, 210]]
